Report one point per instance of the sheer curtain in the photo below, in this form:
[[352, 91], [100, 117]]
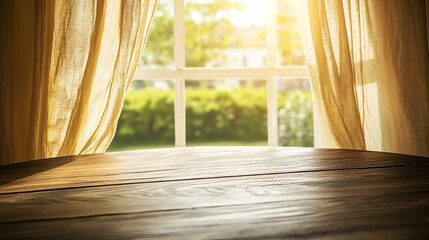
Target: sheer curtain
[[368, 61], [65, 67]]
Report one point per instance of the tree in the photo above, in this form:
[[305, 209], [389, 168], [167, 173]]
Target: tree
[[208, 30], [289, 39], [160, 44]]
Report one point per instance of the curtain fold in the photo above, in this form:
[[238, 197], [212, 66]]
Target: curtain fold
[[65, 68], [368, 61]]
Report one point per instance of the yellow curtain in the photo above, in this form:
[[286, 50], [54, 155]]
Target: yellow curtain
[[368, 61], [65, 67]]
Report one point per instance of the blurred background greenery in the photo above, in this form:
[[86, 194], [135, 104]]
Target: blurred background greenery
[[233, 116], [218, 33]]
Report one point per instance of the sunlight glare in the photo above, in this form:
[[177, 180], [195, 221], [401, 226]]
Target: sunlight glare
[[253, 13]]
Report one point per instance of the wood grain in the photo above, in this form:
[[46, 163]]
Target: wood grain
[[304, 218], [185, 163], [218, 192]]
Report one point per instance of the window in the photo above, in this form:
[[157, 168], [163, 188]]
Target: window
[[216, 44]]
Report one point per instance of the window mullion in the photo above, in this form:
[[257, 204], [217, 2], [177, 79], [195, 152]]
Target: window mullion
[[179, 61], [180, 112], [195, 73], [272, 111]]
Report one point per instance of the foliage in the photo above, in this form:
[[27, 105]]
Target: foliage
[[160, 43], [296, 119], [147, 116], [214, 115], [232, 114], [208, 30], [288, 36]]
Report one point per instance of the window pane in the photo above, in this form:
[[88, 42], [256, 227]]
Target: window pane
[[159, 49], [289, 46], [225, 33], [147, 117], [295, 113], [226, 112]]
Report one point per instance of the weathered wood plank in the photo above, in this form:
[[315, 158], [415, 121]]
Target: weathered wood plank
[[129, 198], [372, 216], [206, 193], [185, 163]]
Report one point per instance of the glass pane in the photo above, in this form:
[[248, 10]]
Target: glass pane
[[226, 112], [147, 117], [225, 33], [289, 45], [295, 113], [159, 49]]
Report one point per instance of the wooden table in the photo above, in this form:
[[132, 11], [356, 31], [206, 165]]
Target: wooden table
[[218, 193]]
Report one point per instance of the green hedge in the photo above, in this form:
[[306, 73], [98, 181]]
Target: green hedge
[[296, 119], [214, 115], [233, 114]]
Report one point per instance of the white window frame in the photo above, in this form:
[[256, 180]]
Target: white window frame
[[271, 72]]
